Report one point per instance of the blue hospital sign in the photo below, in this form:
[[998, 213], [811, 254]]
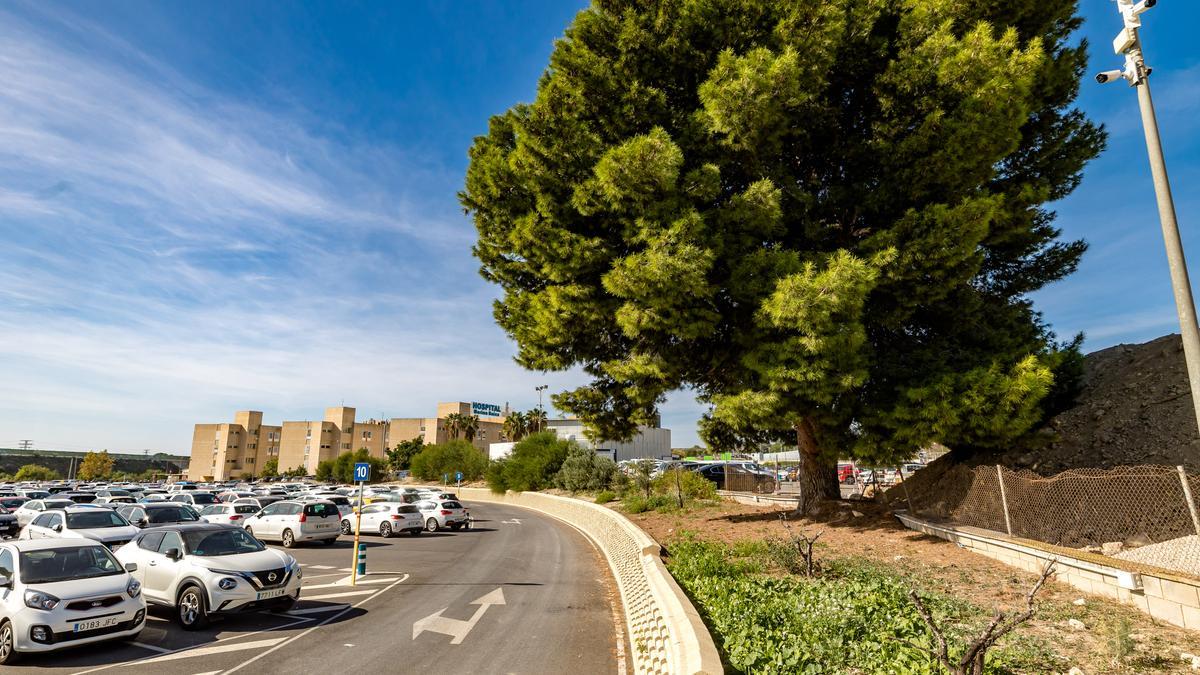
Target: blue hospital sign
[[485, 409]]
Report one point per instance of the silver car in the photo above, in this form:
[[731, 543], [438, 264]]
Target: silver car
[[447, 513], [387, 518]]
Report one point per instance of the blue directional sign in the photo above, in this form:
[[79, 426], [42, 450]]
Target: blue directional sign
[[458, 476], [362, 472]]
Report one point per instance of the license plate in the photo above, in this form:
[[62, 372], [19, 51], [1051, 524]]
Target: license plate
[[93, 624], [323, 526], [266, 595]]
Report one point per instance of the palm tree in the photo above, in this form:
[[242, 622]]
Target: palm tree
[[469, 425], [515, 425], [536, 420], [454, 424]]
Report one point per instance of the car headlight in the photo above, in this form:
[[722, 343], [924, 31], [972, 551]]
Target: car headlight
[[133, 588], [227, 584], [40, 600]]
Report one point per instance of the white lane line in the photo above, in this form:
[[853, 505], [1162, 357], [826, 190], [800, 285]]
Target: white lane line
[[377, 581], [315, 610], [152, 648], [346, 582], [211, 672], [338, 595], [216, 649], [306, 632], [322, 567]]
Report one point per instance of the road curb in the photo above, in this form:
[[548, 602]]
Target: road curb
[[666, 632]]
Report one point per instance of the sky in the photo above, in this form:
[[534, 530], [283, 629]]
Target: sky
[[210, 207]]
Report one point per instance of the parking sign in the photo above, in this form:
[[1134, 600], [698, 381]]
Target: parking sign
[[362, 472], [458, 476]]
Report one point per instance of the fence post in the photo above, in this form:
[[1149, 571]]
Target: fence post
[[1004, 500], [1187, 494], [904, 484]]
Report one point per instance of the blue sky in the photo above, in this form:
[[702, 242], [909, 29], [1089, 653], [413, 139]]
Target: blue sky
[[216, 206]]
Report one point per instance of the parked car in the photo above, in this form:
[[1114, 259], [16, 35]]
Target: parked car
[[228, 514], [740, 477], [439, 514], [345, 508], [59, 593], [158, 514], [13, 503], [194, 498], [291, 522], [30, 509], [204, 569], [34, 494], [79, 497], [259, 502], [102, 525], [8, 523], [232, 495], [114, 501], [387, 518]]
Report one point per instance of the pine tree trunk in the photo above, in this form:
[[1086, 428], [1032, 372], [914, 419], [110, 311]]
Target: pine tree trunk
[[817, 476]]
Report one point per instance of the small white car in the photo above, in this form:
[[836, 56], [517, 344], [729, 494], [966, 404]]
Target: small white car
[[88, 522], [31, 509], [387, 518], [203, 569], [196, 499], [228, 514], [291, 522], [439, 514], [58, 593]]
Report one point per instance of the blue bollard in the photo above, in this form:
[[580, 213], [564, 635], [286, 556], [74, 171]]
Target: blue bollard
[[362, 559]]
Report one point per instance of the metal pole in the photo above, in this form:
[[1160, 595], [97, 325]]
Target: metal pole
[[1004, 500], [357, 532], [1187, 494], [1185, 306], [904, 484]]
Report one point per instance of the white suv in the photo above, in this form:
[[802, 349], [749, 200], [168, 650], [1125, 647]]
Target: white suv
[[387, 518], [103, 525], [291, 522], [439, 514], [58, 593], [204, 569]]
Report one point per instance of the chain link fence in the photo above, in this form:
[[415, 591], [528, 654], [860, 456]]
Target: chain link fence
[[1081, 507]]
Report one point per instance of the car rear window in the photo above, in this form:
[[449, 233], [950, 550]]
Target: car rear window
[[171, 515], [340, 501], [245, 508], [321, 510], [94, 519], [451, 505], [203, 498], [407, 508]]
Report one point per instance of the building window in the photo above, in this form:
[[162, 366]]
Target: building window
[[345, 446], [306, 449], [366, 435], [308, 434]]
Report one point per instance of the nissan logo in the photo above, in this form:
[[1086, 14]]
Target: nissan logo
[[272, 576], [96, 603]]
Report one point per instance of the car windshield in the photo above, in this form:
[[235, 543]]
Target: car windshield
[[86, 520], [214, 510], [220, 542], [321, 510], [60, 564], [180, 514]]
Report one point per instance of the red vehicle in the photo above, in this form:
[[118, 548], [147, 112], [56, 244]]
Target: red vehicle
[[845, 473]]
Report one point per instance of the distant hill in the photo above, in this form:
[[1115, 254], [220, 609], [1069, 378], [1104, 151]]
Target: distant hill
[[12, 459]]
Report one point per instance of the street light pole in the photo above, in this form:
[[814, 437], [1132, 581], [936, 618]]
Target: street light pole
[[1137, 74]]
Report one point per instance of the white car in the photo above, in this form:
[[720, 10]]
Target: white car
[[33, 508], [228, 514], [291, 522], [58, 593], [88, 522], [205, 569], [196, 499], [345, 508], [387, 518], [447, 513]]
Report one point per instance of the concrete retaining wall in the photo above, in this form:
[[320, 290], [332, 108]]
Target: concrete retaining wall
[[1159, 593], [666, 633]]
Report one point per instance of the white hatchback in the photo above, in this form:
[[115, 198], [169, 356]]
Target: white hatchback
[[228, 514], [292, 522], [88, 522], [439, 514], [387, 518], [58, 593]]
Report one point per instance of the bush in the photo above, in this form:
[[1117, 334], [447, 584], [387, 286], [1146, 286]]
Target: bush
[[585, 471], [605, 497], [35, 472], [636, 503], [532, 465], [444, 459], [692, 484]]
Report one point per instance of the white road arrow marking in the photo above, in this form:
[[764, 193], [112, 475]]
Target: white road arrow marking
[[514, 521], [457, 628]]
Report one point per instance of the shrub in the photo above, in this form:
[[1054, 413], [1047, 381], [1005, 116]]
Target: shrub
[[605, 497], [584, 470], [636, 503], [692, 484], [35, 472], [443, 459], [532, 465]]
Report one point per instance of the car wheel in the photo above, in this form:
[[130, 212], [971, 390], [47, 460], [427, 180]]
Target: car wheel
[[431, 525], [289, 539], [385, 530], [346, 529], [456, 527], [8, 643], [191, 609]]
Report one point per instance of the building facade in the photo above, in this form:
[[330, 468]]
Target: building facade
[[433, 430], [223, 451]]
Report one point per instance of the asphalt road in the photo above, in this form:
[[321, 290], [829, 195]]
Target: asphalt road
[[519, 593]]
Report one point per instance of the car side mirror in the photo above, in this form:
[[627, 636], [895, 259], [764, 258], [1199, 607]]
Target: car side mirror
[[6, 582], [141, 522], [173, 554], [130, 567], [57, 528]]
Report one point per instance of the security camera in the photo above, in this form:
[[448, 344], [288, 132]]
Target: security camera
[[1143, 6], [1109, 76]]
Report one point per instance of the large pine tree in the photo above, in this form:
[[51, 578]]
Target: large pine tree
[[825, 217]]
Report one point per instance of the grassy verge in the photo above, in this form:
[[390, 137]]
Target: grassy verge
[[855, 617]]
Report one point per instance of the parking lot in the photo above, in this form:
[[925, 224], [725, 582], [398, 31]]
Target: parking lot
[[480, 600]]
